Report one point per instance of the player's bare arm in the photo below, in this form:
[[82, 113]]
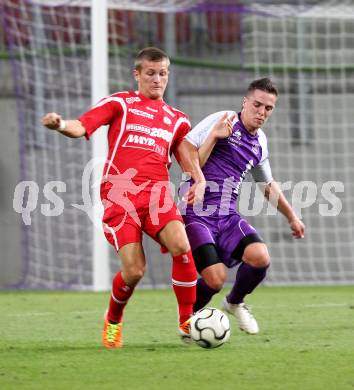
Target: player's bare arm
[[189, 161], [70, 128], [274, 195], [221, 129]]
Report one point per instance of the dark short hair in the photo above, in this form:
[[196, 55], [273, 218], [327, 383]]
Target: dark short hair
[[153, 54], [265, 84]]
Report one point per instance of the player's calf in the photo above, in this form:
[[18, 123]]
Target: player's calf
[[184, 279]]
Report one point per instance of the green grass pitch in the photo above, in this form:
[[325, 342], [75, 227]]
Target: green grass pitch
[[52, 340]]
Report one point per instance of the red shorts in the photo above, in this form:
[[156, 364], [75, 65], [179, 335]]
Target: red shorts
[[127, 216]]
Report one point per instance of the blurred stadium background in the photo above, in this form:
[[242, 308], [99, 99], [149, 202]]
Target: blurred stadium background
[[217, 48]]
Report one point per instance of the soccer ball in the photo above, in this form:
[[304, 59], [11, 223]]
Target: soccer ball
[[210, 327]]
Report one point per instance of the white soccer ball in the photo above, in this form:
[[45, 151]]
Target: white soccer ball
[[210, 327]]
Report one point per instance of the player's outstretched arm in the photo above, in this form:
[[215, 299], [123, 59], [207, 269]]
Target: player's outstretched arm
[[70, 128], [221, 129], [274, 194], [189, 161]]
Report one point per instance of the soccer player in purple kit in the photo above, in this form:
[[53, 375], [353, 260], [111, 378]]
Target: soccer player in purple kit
[[230, 145]]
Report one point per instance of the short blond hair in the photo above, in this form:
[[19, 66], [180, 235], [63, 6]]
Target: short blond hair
[[151, 53]]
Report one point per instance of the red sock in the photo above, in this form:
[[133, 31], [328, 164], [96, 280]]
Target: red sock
[[119, 298], [184, 279]]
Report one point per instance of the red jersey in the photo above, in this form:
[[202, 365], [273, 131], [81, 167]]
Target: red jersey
[[142, 134]]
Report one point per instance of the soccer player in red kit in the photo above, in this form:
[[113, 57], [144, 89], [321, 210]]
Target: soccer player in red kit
[[143, 132]]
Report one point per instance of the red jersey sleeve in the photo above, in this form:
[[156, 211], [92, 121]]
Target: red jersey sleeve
[[183, 129], [100, 115]]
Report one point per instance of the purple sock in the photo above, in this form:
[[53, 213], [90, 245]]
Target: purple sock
[[247, 279], [204, 294]]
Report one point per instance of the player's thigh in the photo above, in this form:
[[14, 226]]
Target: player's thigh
[[173, 236], [256, 254], [133, 262]]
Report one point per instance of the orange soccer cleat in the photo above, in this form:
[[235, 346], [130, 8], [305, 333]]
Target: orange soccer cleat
[[185, 331], [112, 334]]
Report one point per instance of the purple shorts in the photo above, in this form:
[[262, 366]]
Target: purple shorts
[[224, 231]]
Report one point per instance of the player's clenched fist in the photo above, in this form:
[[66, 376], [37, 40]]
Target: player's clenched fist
[[51, 121]]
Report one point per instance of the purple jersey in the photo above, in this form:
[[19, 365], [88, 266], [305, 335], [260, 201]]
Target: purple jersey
[[229, 162]]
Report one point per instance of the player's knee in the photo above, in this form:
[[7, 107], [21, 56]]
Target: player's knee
[[134, 274], [173, 236], [261, 260], [265, 260], [214, 277], [179, 246], [257, 256], [216, 282]]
